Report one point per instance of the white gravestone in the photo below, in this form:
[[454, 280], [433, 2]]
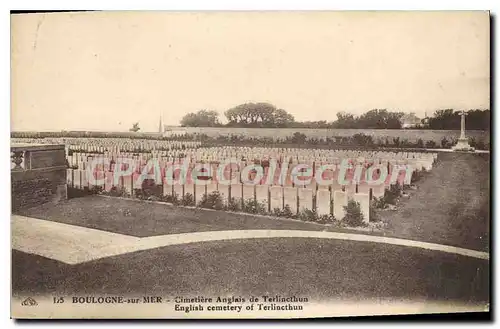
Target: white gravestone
[[167, 189], [236, 191], [276, 198], [290, 198], [248, 192], [262, 193], [339, 201], [323, 200], [224, 192], [364, 203], [179, 191]]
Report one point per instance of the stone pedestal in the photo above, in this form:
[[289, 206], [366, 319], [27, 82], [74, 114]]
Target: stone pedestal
[[463, 145]]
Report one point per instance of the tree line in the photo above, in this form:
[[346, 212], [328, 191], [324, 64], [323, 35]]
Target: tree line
[[265, 115]]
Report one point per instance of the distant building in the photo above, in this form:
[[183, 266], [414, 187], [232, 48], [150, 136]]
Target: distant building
[[410, 120]]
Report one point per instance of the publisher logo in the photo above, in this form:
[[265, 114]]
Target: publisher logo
[[29, 302]]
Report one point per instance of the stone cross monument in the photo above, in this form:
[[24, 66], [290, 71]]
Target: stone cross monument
[[463, 143]]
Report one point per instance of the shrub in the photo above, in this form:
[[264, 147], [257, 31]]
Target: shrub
[[420, 143], [95, 190], [431, 144], [445, 143], [188, 200], [325, 219], [118, 191], [393, 194], [374, 216], [298, 138], [353, 215], [212, 201], [417, 175], [477, 143], [252, 206], [379, 203], [233, 204], [172, 198], [307, 215], [362, 140], [285, 212], [149, 190]]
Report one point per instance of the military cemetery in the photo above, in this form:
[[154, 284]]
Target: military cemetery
[[318, 181], [249, 164]]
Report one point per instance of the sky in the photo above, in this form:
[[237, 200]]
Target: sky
[[103, 71]]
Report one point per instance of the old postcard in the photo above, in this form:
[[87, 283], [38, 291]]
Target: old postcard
[[249, 164]]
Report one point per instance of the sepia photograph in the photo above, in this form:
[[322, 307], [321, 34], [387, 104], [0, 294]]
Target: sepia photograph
[[249, 164]]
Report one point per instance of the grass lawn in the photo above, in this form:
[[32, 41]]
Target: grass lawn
[[138, 218], [317, 269], [451, 205]]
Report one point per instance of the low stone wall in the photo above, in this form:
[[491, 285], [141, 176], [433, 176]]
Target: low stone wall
[[38, 175]]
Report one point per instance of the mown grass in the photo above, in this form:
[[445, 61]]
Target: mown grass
[[451, 205], [317, 269]]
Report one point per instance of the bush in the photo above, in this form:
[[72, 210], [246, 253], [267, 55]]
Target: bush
[[118, 191], [325, 219], [478, 144], [188, 200], [374, 216], [233, 205], [353, 215], [308, 215], [298, 138], [149, 190], [445, 143], [393, 194], [378, 203], [285, 212], [417, 175], [212, 201], [362, 140], [431, 144], [172, 198], [251, 206], [95, 190]]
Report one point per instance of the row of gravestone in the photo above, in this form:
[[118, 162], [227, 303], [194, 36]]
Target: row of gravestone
[[417, 163], [311, 152], [284, 174], [327, 201], [111, 144]]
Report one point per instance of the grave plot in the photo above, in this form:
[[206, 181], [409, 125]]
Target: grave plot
[[285, 182]]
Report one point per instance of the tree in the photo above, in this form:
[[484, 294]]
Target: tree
[[344, 121], [282, 118], [135, 127], [449, 119], [380, 119], [202, 118], [373, 119], [258, 115]]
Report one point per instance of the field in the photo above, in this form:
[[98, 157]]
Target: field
[[377, 134], [411, 135]]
